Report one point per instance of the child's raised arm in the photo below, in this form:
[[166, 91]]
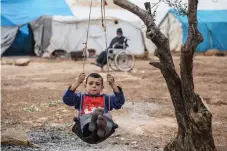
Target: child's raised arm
[[70, 97], [117, 99]]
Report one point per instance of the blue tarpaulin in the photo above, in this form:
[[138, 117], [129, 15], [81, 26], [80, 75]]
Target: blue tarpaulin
[[21, 12], [18, 12], [213, 26]]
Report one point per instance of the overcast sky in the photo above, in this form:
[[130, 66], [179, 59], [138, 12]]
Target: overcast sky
[[160, 13]]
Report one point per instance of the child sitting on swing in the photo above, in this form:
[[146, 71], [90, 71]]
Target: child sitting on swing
[[93, 106]]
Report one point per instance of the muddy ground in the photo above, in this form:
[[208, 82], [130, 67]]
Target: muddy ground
[[32, 104]]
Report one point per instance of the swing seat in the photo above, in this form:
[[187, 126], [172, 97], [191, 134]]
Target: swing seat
[[93, 139]]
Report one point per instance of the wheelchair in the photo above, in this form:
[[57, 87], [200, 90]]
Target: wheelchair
[[120, 59]]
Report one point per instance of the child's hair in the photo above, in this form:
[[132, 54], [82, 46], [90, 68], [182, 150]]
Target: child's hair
[[94, 75]]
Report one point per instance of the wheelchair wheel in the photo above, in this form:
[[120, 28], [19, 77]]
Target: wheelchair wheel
[[124, 61], [111, 64]]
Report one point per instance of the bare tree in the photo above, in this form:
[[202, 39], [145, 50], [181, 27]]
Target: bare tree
[[193, 117]]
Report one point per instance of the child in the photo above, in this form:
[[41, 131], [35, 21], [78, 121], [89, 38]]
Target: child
[[93, 107]]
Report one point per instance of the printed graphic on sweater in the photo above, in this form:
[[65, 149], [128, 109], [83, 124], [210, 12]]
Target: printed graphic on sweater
[[91, 103]]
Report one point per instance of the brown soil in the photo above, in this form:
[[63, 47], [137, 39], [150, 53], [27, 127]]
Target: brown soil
[[32, 99]]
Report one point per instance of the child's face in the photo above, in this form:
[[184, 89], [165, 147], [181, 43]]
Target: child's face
[[94, 85]]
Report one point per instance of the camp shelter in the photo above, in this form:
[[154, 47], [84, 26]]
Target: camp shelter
[[211, 23], [16, 32], [69, 34]]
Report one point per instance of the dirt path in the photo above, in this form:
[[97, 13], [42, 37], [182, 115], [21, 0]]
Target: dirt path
[[31, 98]]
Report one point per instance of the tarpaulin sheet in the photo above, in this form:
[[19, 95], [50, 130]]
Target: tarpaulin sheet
[[213, 26]]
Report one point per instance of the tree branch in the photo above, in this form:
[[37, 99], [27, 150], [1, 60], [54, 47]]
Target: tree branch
[[187, 52], [166, 64], [194, 36], [157, 65], [181, 8], [148, 19], [174, 86], [193, 118], [153, 32]]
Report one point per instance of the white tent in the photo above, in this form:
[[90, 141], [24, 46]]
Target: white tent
[[69, 34], [163, 9], [130, 23], [172, 29]]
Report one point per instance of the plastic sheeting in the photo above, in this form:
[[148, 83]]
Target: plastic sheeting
[[21, 12], [18, 12], [213, 26], [69, 34], [42, 32], [8, 35]]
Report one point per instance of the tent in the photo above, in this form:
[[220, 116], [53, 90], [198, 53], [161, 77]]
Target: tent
[[17, 35], [69, 34], [129, 22], [43, 31], [211, 23]]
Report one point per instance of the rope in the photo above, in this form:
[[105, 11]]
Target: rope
[[109, 102], [81, 107], [85, 48], [103, 11]]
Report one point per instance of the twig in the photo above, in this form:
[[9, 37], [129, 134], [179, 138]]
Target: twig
[[155, 4]]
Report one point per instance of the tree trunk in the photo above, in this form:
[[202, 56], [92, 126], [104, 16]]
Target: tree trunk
[[193, 116]]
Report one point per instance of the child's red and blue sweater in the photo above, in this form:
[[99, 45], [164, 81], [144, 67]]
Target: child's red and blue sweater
[[86, 103]]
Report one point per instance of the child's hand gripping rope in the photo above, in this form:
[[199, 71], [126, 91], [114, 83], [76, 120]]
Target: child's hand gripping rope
[[111, 81]]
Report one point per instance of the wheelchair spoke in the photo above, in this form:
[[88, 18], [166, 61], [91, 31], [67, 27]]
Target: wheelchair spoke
[[124, 61]]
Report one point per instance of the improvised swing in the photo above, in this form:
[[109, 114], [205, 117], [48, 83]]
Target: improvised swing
[[93, 139]]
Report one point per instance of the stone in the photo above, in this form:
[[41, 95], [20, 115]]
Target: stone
[[42, 119], [134, 142], [122, 139], [22, 62]]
